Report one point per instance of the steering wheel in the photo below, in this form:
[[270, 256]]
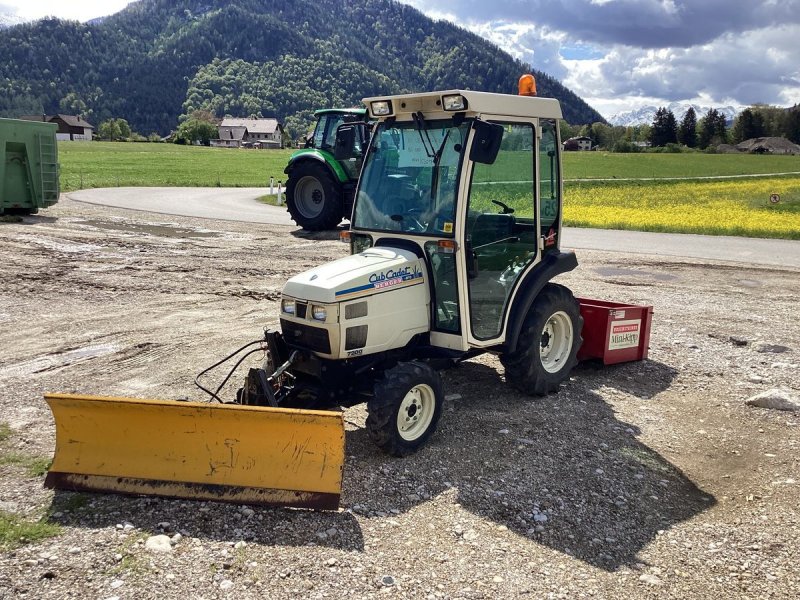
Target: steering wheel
[[415, 219]]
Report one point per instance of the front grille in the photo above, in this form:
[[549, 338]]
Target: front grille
[[355, 337], [355, 311], [302, 307], [305, 336]]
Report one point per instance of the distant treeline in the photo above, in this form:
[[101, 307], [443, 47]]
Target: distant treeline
[[159, 59], [708, 131]]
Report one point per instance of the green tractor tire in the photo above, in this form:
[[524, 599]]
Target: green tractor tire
[[313, 196]]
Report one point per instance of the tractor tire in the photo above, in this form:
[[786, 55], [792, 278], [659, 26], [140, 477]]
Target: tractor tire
[[548, 343], [314, 197], [405, 408]]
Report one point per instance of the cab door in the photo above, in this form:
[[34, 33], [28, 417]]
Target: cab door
[[501, 232]]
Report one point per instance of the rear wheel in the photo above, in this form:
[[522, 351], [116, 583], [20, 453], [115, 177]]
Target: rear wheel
[[405, 408], [313, 197], [548, 343]]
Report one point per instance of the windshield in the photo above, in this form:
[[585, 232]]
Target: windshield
[[410, 177]]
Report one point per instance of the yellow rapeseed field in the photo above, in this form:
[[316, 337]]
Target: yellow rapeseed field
[[724, 207]]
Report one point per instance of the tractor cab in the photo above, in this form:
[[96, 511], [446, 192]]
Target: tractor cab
[[324, 136], [470, 182]]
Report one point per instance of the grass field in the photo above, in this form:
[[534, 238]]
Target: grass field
[[109, 164], [723, 207], [598, 165]]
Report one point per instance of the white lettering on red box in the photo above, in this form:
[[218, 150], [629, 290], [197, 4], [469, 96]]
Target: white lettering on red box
[[624, 334]]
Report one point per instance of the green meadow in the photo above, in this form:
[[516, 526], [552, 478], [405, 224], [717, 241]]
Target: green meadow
[[662, 200], [121, 164]]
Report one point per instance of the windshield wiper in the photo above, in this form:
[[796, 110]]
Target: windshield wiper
[[421, 126], [427, 143], [436, 158]]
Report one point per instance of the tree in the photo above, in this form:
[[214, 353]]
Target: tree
[[196, 129], [791, 124], [687, 132], [114, 130], [713, 129], [665, 128], [749, 124]]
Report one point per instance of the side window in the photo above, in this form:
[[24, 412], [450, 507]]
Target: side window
[[502, 236], [319, 131], [549, 190], [330, 131]]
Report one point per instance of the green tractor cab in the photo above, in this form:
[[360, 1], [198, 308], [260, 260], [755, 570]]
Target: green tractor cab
[[321, 187]]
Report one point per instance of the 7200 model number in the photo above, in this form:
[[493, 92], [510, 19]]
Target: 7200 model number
[[355, 352]]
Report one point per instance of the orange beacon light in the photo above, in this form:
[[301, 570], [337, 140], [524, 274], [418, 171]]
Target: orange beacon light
[[527, 85]]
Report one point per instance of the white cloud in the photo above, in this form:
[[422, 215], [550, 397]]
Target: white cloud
[[645, 52]]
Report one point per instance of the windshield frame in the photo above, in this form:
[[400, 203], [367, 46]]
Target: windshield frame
[[440, 220]]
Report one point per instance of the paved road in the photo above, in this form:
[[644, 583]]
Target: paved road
[[239, 204], [228, 204]]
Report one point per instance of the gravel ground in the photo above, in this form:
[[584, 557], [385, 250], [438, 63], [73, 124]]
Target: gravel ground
[[644, 480]]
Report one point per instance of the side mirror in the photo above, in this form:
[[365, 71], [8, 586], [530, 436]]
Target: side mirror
[[485, 142], [345, 148]]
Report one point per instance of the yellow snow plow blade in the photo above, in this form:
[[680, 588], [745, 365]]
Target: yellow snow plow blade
[[224, 452]]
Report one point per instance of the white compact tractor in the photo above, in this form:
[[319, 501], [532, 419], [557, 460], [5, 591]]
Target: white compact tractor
[[454, 242], [455, 238]]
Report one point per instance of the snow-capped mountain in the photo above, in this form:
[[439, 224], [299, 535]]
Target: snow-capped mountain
[[646, 114], [7, 20]]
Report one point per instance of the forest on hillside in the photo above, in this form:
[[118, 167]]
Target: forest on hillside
[[159, 59]]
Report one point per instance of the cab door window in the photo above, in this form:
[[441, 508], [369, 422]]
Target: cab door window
[[549, 188], [501, 232]]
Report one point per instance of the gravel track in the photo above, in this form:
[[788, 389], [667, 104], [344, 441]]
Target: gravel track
[[643, 480]]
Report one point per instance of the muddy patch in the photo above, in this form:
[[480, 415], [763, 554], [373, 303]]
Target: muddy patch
[[165, 231]]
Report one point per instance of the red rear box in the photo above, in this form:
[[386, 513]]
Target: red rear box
[[614, 332]]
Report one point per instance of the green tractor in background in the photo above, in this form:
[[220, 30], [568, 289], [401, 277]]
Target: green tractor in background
[[320, 188]]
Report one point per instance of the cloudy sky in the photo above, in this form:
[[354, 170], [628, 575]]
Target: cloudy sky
[[616, 54]]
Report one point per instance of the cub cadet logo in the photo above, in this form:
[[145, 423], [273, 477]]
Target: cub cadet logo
[[624, 334], [392, 277]]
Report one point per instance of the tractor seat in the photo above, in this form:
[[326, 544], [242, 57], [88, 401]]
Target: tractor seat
[[491, 227]]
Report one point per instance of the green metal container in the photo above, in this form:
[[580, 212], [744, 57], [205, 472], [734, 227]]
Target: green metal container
[[28, 166]]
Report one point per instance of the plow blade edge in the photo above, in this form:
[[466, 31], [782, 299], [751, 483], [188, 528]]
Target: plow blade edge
[[223, 452]]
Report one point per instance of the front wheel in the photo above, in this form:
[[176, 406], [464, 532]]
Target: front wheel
[[405, 408], [548, 343]]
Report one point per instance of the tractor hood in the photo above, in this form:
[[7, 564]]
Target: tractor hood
[[371, 271]]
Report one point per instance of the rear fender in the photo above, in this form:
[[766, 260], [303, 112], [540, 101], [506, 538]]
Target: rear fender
[[321, 156], [554, 264]]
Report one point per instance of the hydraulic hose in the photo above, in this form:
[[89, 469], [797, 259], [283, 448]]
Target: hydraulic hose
[[214, 395]]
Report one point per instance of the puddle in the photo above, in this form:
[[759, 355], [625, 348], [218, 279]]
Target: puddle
[[56, 361], [615, 271], [167, 231], [751, 283]]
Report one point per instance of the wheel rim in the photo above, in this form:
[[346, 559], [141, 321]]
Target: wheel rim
[[416, 412], [556, 342], [309, 196]]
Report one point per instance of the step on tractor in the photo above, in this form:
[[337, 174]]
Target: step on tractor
[[455, 240], [321, 188]]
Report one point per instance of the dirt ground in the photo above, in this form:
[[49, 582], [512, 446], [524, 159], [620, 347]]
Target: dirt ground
[[643, 480]]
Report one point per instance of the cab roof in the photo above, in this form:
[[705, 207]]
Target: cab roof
[[347, 111], [508, 105]]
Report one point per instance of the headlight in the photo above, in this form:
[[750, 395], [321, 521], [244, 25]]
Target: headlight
[[457, 102], [382, 108], [320, 313], [288, 307]]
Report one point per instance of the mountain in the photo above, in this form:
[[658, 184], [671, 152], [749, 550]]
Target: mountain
[[646, 114], [7, 20], [158, 59]]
